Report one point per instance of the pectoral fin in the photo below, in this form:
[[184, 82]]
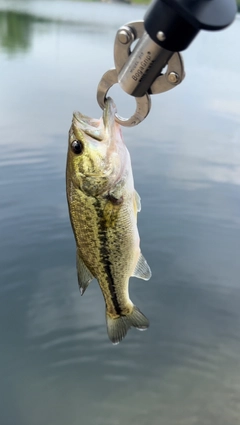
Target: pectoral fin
[[138, 201], [84, 275], [142, 270]]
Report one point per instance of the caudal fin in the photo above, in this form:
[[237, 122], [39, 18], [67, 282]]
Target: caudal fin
[[117, 328]]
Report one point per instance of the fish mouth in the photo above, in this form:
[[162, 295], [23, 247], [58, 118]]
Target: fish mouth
[[90, 126], [95, 128]]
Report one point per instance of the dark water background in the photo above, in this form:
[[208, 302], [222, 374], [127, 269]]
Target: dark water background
[[57, 364]]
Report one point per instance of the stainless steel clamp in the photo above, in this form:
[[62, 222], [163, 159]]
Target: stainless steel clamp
[[138, 70]]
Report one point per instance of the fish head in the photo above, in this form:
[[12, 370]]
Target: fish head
[[97, 155]]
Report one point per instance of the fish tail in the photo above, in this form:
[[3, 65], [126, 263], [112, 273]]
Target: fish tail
[[118, 327]]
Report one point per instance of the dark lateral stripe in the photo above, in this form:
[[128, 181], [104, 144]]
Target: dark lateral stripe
[[111, 287], [104, 253]]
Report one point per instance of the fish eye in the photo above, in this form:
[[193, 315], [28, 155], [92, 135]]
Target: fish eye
[[77, 147]]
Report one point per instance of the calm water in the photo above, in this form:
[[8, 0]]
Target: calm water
[[57, 364]]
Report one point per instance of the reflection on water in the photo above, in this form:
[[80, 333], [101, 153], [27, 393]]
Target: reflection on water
[[15, 31], [57, 365]]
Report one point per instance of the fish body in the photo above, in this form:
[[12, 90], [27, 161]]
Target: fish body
[[103, 206]]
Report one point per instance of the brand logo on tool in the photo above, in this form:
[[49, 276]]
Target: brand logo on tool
[[144, 65]]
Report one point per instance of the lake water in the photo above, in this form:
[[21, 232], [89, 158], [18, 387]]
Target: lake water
[[57, 364]]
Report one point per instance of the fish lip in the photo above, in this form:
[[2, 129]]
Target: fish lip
[[109, 114], [84, 119]]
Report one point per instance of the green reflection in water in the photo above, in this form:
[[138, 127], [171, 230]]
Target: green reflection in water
[[16, 31]]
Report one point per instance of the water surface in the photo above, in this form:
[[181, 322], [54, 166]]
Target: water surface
[[57, 364]]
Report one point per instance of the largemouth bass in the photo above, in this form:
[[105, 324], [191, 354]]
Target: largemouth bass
[[103, 207]]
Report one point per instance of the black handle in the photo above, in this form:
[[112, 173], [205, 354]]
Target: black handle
[[173, 24]]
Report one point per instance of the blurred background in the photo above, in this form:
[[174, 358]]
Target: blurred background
[[57, 365]]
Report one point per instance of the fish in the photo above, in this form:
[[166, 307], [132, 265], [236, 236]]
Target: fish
[[103, 206]]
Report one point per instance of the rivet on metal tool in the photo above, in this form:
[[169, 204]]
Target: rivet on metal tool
[[161, 36], [173, 77], [124, 36]]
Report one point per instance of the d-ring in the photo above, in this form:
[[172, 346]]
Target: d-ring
[[143, 103]]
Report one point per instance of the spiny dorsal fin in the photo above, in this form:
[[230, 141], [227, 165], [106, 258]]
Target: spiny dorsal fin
[[84, 275], [142, 270], [138, 201]]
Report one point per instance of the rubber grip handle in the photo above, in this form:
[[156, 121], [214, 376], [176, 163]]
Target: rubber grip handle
[[180, 20]]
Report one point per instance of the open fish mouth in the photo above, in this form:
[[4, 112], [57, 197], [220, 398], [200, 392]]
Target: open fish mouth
[[97, 128], [89, 126]]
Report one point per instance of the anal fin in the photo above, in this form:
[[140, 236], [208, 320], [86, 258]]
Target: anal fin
[[142, 269], [84, 275]]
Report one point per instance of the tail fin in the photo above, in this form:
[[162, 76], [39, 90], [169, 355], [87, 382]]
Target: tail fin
[[117, 328]]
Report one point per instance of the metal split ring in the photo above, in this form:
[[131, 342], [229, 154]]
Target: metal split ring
[[143, 103]]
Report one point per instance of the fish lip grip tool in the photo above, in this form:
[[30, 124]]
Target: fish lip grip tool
[[169, 26]]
